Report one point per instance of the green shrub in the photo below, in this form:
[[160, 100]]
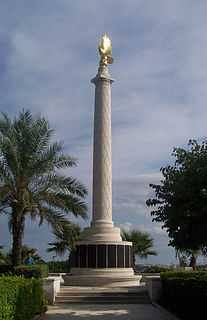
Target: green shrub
[[59, 266], [157, 269], [185, 293], [194, 275], [28, 271], [5, 269], [20, 298]]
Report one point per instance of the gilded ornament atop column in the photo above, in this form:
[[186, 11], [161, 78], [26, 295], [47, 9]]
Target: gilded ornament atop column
[[105, 49]]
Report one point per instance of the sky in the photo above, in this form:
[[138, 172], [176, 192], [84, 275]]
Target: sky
[[49, 54]]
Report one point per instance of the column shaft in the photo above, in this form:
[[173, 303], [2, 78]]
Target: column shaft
[[102, 176]]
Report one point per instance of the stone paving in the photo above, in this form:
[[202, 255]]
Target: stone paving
[[103, 312]]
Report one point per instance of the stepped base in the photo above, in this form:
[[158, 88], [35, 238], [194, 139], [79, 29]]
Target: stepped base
[[102, 295], [111, 277]]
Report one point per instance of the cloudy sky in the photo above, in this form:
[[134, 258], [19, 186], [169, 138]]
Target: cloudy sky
[[48, 55]]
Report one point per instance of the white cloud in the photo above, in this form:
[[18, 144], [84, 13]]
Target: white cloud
[[127, 226]]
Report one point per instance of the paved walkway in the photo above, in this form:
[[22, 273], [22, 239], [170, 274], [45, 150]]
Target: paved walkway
[[104, 312]]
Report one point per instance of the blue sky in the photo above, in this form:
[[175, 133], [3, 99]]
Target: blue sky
[[49, 54]]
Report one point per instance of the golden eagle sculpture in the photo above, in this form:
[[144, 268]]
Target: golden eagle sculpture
[[105, 49]]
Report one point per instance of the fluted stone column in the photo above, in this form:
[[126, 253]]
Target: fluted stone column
[[102, 227], [102, 172]]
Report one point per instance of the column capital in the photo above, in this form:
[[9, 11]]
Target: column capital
[[103, 75]]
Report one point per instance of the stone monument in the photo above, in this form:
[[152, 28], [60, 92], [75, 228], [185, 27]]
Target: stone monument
[[102, 258]]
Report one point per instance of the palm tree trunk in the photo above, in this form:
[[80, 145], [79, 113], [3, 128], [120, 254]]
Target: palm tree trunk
[[18, 233]]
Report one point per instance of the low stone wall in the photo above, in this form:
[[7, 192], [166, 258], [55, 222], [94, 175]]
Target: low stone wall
[[56, 275], [145, 274], [51, 287], [155, 287]]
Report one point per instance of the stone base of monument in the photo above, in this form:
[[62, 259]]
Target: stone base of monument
[[119, 277], [102, 263]]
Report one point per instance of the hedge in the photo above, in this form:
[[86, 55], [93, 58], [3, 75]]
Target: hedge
[[156, 269], [28, 271], [185, 293], [21, 298], [4, 269]]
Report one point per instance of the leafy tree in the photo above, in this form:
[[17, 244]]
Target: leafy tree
[[141, 243], [181, 198], [192, 254], [31, 180], [66, 239]]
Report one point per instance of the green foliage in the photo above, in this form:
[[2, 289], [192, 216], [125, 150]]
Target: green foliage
[[190, 275], [59, 266], [6, 269], [25, 250], [181, 198], [141, 243], [185, 293], [32, 181], [157, 269], [66, 239], [28, 271], [20, 298], [3, 257]]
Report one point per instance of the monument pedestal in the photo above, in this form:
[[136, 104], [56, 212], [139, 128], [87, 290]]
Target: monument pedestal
[[93, 277], [102, 263]]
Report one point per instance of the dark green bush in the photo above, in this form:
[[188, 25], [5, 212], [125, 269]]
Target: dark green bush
[[30, 271], [185, 293], [194, 275], [4, 269], [157, 269], [20, 298]]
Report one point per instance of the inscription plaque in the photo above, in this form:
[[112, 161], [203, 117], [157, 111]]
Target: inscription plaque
[[120, 256], [101, 256], [112, 256], [76, 257], [127, 257], [83, 256], [92, 256], [131, 257]]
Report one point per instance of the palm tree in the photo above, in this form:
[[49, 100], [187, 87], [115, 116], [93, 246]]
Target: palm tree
[[66, 239], [31, 182], [141, 243]]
